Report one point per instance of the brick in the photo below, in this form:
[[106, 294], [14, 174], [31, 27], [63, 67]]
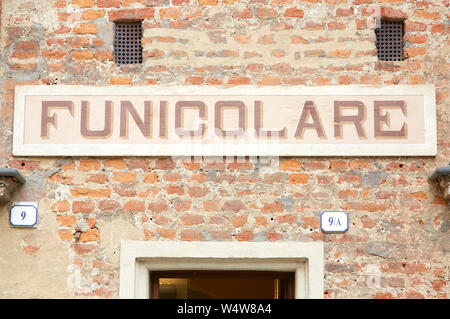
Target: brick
[[344, 12], [291, 165], [66, 220], [429, 15], [438, 28], [115, 163], [59, 4], [416, 51], [263, 13], [208, 2], [366, 206], [125, 191], [414, 26], [103, 56], [191, 235], [211, 206], [65, 235], [244, 14], [62, 30], [198, 191], [346, 79], [83, 207], [60, 178], [150, 178], [282, 68], [234, 205], [270, 80], [53, 54], [299, 40], [420, 196], [336, 1], [298, 178], [129, 177], [415, 79], [61, 206], [23, 165], [182, 205], [413, 294], [90, 192], [285, 219], [86, 28], [108, 3], [198, 177], [136, 164], [89, 165], [278, 53], [321, 81], [83, 3], [334, 25], [245, 235], [26, 45], [194, 80], [370, 79], [169, 13], [131, 14], [134, 206], [158, 206], [120, 81], [314, 26], [78, 42], [173, 189], [439, 285], [90, 235], [293, 13], [272, 207], [347, 193], [416, 38], [338, 166], [93, 14], [109, 206], [238, 221], [339, 53], [164, 163], [238, 80], [166, 233], [191, 219], [392, 13]]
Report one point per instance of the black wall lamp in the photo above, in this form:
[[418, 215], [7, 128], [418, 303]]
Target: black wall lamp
[[442, 176], [10, 178]]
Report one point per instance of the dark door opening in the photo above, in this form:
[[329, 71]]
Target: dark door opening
[[221, 285]]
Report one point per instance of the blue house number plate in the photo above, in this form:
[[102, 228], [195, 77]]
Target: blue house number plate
[[24, 214], [334, 221]]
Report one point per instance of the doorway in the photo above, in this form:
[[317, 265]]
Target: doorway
[[222, 285]]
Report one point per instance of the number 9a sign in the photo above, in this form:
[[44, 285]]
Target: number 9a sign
[[334, 221], [23, 214]]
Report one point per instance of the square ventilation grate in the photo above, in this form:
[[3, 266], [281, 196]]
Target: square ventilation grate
[[390, 40], [127, 43]]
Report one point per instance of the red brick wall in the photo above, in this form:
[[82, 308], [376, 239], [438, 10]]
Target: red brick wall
[[398, 219]]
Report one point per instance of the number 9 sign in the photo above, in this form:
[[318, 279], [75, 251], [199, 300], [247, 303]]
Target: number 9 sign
[[23, 214]]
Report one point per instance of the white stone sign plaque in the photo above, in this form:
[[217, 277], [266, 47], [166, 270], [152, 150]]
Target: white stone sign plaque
[[334, 221], [24, 214], [65, 120]]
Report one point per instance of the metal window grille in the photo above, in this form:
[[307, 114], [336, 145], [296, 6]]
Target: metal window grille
[[127, 43], [390, 40]]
